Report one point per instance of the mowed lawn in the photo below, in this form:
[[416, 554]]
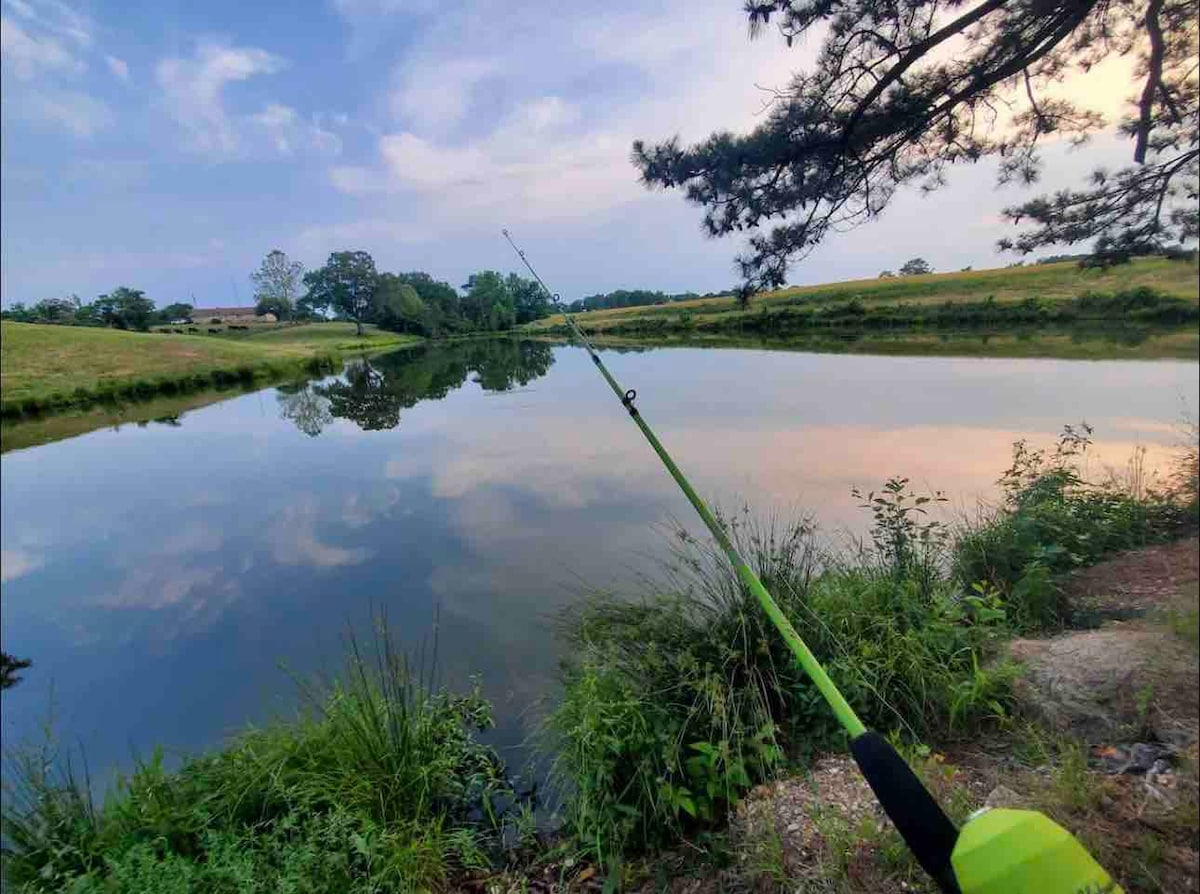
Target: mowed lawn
[[37, 361], [318, 335], [1051, 281]]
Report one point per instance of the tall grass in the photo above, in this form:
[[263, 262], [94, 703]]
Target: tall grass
[[670, 708], [1052, 519], [378, 784], [676, 704]]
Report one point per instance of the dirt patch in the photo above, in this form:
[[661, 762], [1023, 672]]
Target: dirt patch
[[793, 828], [1133, 679], [1133, 584]]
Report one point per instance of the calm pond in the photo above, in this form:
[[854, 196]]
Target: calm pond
[[159, 576]]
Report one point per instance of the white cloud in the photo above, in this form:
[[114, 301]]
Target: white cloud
[[28, 55], [43, 37], [293, 541], [157, 588], [77, 113], [15, 563], [193, 89], [56, 18], [541, 152], [530, 165], [287, 132], [278, 121], [195, 93], [42, 45], [432, 95], [118, 67]]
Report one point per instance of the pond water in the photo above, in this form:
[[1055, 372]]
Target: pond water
[[159, 576]]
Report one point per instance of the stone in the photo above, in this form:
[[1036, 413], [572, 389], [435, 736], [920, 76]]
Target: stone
[[1004, 797], [1092, 684]]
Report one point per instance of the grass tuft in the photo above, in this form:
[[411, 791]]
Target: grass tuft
[[378, 784]]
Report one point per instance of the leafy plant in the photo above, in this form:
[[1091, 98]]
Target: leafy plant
[[379, 784], [1053, 519]]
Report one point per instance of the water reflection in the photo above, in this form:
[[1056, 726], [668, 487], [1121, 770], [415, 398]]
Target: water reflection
[[159, 575], [372, 391]]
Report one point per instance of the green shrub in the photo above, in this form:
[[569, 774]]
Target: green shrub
[[670, 706], [1052, 520], [674, 706], [379, 784]]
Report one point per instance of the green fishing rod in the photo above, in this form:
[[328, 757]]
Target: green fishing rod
[[997, 851]]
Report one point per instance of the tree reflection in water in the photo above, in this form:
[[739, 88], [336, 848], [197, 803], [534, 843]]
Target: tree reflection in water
[[372, 392]]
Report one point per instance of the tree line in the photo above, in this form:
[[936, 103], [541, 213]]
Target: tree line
[[634, 298], [122, 308], [348, 286]]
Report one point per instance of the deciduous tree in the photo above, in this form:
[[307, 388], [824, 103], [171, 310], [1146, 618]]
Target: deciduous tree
[[346, 283], [125, 308], [277, 285]]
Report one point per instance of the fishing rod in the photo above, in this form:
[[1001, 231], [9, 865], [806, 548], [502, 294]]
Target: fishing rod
[[997, 851]]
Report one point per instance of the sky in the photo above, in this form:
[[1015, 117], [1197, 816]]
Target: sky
[[170, 145]]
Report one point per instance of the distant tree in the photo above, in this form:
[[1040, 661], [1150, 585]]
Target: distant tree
[[488, 303], [57, 310], [635, 298], [125, 308], [967, 269], [346, 283], [886, 274], [440, 298], [277, 285], [915, 267], [177, 310], [87, 315], [397, 306], [17, 312], [901, 91], [530, 301]]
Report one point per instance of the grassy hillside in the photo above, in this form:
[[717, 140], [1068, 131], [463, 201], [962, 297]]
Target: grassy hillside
[[1049, 282], [1177, 344], [55, 366]]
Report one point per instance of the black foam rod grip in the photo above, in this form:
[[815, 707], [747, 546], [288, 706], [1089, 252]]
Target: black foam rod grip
[[926, 829]]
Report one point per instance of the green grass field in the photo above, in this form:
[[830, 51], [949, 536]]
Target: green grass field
[[1006, 284], [60, 365], [1152, 345]]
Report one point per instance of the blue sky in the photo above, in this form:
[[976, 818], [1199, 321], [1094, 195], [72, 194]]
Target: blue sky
[[170, 145]]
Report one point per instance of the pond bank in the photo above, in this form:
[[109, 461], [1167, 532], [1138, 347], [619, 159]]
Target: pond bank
[[48, 368], [1094, 343]]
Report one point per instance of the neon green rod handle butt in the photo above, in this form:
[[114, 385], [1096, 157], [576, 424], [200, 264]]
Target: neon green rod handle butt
[[1003, 851]]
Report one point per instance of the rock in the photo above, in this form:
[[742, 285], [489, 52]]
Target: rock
[[1160, 767], [1003, 796], [1095, 684], [1144, 756]]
